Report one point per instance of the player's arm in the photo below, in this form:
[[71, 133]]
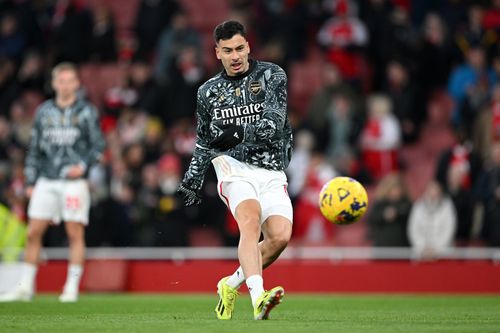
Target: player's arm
[[33, 160], [96, 140], [202, 155], [273, 116]]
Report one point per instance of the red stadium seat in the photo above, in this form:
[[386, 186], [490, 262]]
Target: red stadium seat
[[97, 79], [123, 13], [304, 81]]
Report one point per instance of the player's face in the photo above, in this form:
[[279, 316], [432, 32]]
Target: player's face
[[65, 83], [233, 53]]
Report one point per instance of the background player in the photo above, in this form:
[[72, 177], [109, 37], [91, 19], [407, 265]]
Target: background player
[[243, 130], [65, 141]]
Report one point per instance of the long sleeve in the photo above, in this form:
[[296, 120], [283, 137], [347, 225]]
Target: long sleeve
[[96, 141], [33, 155], [202, 154]]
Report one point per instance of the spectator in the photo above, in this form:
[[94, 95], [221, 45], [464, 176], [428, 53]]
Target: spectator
[[120, 204], [172, 229], [388, 218], [474, 34], [405, 99], [179, 68], [9, 89], [283, 27], [299, 164], [433, 56], [343, 36], [147, 93], [153, 140], [488, 191], [152, 17], [73, 31], [487, 125], [457, 170], [146, 206], [20, 123], [377, 15], [174, 39], [135, 97], [12, 40], [469, 86], [319, 119], [103, 46], [380, 138], [310, 227], [432, 223], [31, 75]]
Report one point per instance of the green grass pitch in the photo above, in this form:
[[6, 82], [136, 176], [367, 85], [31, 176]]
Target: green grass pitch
[[96, 313]]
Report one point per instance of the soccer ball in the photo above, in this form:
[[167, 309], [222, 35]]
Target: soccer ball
[[343, 200]]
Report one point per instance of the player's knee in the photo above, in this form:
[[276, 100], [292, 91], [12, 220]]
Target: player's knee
[[75, 236], [250, 227], [278, 242]]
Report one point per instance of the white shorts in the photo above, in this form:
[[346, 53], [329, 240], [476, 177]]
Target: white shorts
[[56, 200], [239, 181]]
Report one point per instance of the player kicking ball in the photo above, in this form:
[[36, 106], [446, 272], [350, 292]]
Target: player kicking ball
[[243, 130]]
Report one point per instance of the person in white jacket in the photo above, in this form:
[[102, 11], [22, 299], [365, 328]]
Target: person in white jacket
[[432, 223]]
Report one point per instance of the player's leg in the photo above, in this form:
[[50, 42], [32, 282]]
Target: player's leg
[[277, 213], [75, 211], [247, 215], [76, 239], [241, 198], [277, 232]]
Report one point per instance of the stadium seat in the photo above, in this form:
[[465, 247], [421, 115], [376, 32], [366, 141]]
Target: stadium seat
[[97, 79], [124, 15], [304, 81], [206, 14]]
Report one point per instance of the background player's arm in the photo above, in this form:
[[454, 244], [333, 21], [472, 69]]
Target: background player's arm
[[96, 141], [275, 107], [32, 161]]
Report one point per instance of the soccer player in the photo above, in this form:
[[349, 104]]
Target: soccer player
[[243, 129], [65, 141]]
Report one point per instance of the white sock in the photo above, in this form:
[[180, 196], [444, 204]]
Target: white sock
[[28, 277], [75, 273], [237, 279], [255, 285]]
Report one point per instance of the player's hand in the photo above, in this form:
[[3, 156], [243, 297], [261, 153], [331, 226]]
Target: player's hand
[[28, 191], [190, 196], [75, 171], [232, 136]]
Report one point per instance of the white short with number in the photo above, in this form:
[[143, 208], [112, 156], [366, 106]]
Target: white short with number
[[56, 200], [239, 181]]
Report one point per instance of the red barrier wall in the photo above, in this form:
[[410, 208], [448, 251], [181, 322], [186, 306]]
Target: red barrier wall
[[295, 276]]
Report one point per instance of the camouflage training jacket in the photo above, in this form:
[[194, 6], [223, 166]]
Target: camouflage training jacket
[[62, 137], [256, 100]]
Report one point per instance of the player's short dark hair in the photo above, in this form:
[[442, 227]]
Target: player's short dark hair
[[227, 29]]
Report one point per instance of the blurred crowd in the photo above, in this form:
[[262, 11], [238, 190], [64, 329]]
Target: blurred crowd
[[386, 66]]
